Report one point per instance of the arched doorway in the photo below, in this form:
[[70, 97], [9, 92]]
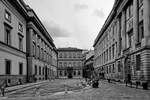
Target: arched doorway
[[70, 72]]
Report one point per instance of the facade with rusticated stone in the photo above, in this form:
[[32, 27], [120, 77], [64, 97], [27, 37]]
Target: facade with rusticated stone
[[122, 47], [70, 63]]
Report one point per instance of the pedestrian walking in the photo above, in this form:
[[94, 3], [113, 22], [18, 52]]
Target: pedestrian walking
[[3, 91], [2, 88]]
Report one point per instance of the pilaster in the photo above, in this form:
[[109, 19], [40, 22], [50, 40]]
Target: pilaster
[[123, 30], [30, 42], [135, 20], [146, 17]]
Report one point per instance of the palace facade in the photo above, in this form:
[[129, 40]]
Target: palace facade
[[70, 63], [13, 23], [26, 48], [122, 47]]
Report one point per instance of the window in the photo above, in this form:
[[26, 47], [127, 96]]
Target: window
[[113, 50], [109, 68], [65, 64], [65, 73], [78, 64], [20, 27], [38, 51], [69, 55], [130, 39], [20, 42], [42, 53], [129, 11], [7, 34], [60, 73], [40, 70], [79, 73], [35, 68], [104, 57], [78, 54], [33, 48], [74, 73], [43, 70], [113, 69], [7, 16], [74, 55], [65, 55], [109, 53], [8, 67], [141, 31], [138, 62], [119, 66], [60, 64], [20, 68]]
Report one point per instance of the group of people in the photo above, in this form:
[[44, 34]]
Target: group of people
[[93, 82]]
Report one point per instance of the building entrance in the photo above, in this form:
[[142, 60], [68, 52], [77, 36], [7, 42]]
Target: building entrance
[[70, 72], [128, 69]]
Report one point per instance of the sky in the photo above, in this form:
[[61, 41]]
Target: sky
[[72, 23]]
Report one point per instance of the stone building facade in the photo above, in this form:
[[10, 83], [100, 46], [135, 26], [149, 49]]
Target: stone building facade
[[39, 49], [54, 63], [88, 69], [70, 63], [122, 47], [25, 45], [13, 62]]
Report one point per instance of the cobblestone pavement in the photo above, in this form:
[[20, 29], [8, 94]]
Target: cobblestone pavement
[[106, 91]]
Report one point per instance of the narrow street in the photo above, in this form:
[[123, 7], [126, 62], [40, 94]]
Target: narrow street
[[55, 90]]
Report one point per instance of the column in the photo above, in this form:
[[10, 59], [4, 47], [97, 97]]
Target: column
[[29, 44], [135, 20], [123, 29], [119, 35], [29, 55], [36, 40], [146, 17]]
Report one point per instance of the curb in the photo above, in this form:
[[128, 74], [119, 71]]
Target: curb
[[11, 90]]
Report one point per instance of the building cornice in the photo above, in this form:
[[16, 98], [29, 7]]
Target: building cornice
[[33, 17], [116, 10]]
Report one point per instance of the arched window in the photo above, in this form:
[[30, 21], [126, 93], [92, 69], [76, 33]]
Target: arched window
[[60, 73], [74, 73]]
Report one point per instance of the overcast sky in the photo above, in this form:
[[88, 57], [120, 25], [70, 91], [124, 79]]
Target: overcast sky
[[72, 23]]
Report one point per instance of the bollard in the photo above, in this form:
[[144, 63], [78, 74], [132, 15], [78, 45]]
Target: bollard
[[66, 90]]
